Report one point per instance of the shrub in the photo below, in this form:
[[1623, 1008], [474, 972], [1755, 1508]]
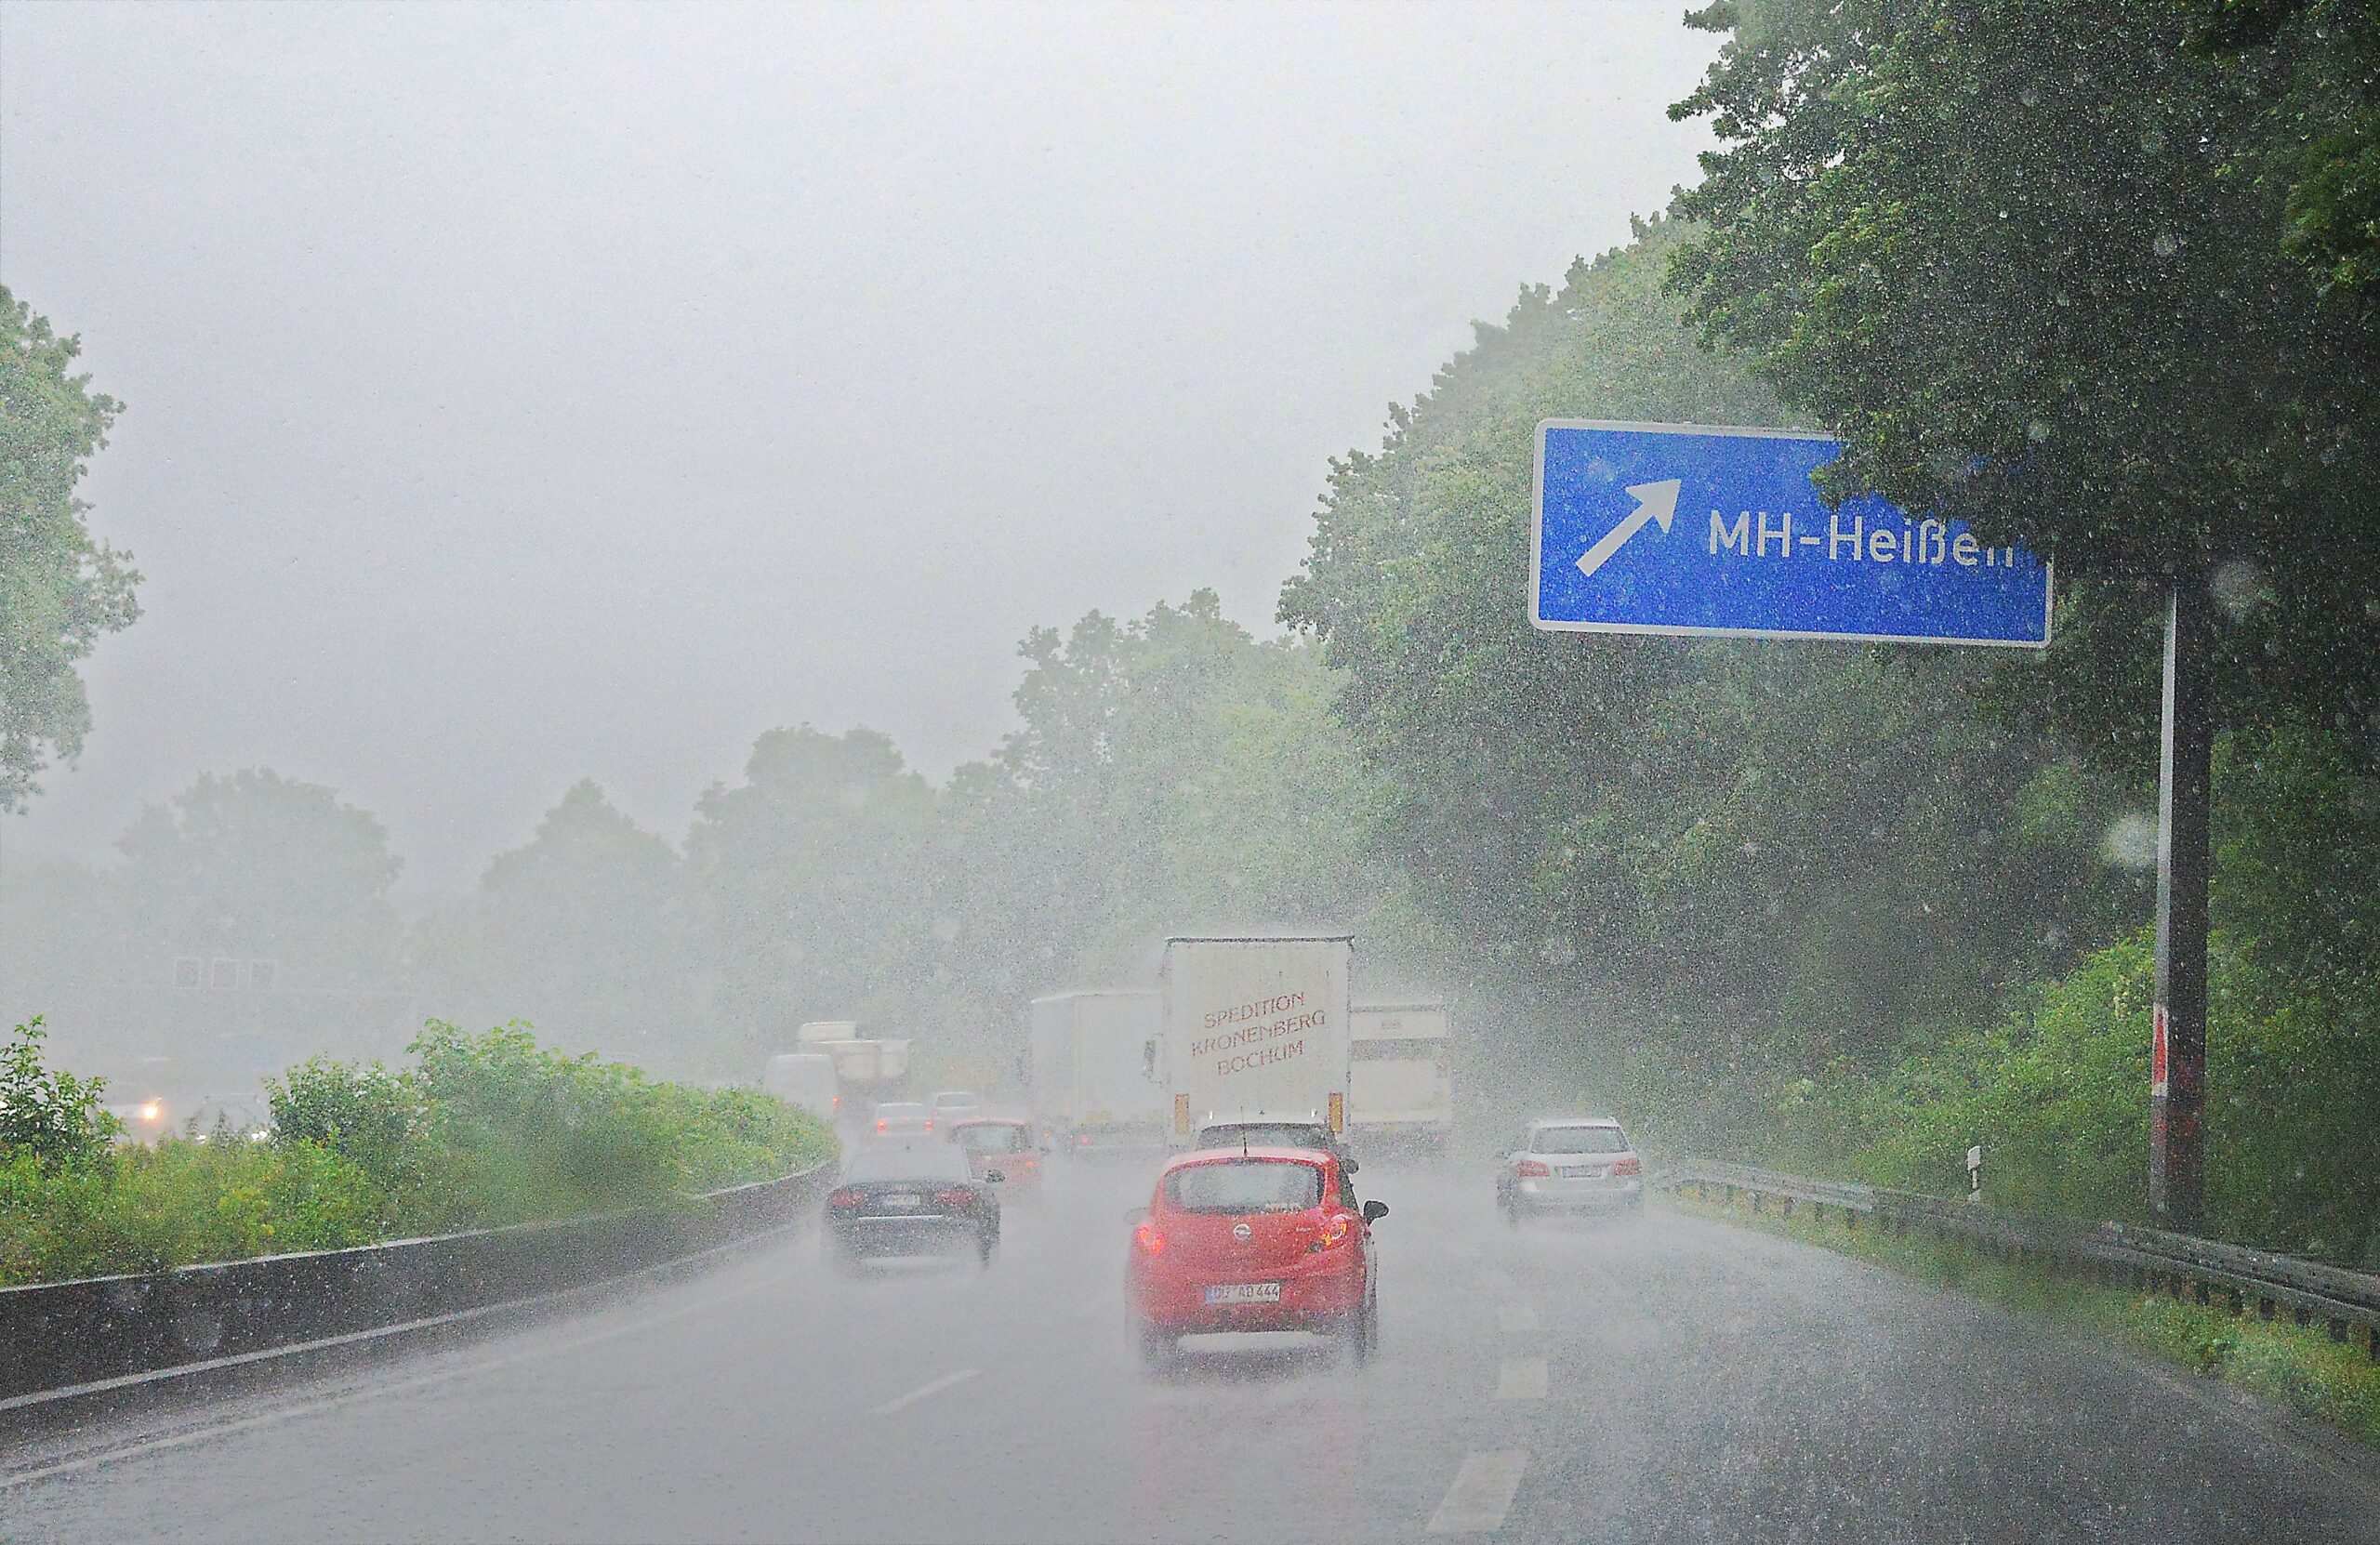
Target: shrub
[[52, 1116]]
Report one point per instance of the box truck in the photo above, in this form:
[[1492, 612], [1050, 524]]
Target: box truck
[[807, 1079], [1255, 1027], [864, 1062], [1092, 1068], [1400, 1074]]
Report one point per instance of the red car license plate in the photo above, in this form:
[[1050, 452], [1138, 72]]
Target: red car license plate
[[1243, 1292]]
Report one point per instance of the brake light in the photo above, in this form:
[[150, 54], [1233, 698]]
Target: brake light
[[929, 1123], [1337, 1229], [955, 1196], [834, 1101], [847, 1196], [1628, 1167], [1532, 1169], [882, 1125], [1147, 1238]]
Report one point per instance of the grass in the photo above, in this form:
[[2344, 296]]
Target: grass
[[2299, 1367]]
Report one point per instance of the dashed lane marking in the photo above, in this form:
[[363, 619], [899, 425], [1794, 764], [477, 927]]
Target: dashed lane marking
[[902, 1403], [1521, 1378], [1515, 1316], [1482, 1493]]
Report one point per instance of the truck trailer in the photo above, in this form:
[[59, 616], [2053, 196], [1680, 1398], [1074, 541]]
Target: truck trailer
[[1255, 1027], [1093, 1065], [1400, 1078]]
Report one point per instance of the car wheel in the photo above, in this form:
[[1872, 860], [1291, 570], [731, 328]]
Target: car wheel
[[1513, 1212], [984, 1247], [1158, 1349]]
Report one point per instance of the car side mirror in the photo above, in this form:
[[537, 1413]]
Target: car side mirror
[[1374, 1212], [995, 1176], [1137, 1215]]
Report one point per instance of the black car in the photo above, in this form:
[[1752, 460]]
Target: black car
[[917, 1199]]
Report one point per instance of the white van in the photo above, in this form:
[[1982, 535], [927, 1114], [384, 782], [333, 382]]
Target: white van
[[807, 1079]]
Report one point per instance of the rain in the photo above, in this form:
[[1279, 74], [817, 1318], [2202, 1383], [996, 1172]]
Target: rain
[[1053, 772]]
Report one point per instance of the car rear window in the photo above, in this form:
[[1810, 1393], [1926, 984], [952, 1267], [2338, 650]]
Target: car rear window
[[899, 1113], [1577, 1139], [1245, 1186], [1287, 1134], [939, 1162], [992, 1140]]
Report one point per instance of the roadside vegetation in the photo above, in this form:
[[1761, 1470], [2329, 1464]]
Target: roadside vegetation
[[479, 1130], [2295, 1367]]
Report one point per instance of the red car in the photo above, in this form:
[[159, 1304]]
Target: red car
[[1255, 1239], [994, 1145]]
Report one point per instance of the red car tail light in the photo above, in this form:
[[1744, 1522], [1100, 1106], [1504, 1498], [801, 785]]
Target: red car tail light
[[1628, 1167], [1337, 1229], [955, 1196], [847, 1196], [1146, 1238], [882, 1125], [1531, 1170]]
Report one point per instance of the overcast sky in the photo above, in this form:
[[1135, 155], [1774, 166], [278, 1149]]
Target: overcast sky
[[515, 394]]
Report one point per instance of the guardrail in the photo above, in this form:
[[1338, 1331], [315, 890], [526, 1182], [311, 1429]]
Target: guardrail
[[63, 1338], [2344, 1302]]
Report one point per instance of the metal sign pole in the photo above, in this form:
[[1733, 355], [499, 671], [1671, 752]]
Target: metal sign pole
[[2178, 1051]]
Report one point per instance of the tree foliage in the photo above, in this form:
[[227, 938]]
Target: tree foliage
[[1753, 857], [2026, 258], [60, 590]]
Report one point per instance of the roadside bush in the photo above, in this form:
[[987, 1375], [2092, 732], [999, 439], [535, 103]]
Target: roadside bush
[[486, 1130], [49, 1114]]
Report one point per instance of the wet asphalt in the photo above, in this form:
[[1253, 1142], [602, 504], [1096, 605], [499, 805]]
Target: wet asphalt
[[1662, 1379]]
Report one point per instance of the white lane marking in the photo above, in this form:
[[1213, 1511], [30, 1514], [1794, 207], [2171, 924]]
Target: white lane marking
[[1515, 1316], [1521, 1378], [1482, 1493], [903, 1403], [381, 1391]]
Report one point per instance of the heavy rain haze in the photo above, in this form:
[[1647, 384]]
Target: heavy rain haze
[[1093, 772], [518, 395]]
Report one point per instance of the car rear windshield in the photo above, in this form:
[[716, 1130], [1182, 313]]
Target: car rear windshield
[[1577, 1139], [900, 1113], [939, 1162], [1285, 1134], [1245, 1186], [992, 1140]]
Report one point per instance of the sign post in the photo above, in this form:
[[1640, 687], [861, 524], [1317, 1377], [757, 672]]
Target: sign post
[[2177, 1027]]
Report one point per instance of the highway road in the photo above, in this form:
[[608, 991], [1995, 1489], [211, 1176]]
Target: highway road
[[1664, 1379]]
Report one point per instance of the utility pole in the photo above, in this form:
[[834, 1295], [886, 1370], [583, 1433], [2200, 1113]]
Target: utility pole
[[2177, 1054]]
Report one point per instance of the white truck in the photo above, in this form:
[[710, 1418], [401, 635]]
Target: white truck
[[1093, 1065], [862, 1062], [1400, 1078], [807, 1079], [1255, 1027]]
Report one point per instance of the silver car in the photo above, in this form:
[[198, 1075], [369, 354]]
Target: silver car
[[1576, 1166]]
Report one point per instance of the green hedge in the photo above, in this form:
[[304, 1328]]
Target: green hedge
[[481, 1130]]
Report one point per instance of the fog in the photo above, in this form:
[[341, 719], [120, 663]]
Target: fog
[[518, 395]]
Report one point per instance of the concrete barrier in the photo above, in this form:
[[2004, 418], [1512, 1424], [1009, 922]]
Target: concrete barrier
[[58, 1336]]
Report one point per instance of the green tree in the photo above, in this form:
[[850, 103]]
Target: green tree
[[588, 929], [60, 590], [2026, 257], [1737, 861], [812, 879], [257, 865]]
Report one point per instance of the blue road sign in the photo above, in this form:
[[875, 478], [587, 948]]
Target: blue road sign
[[1683, 528]]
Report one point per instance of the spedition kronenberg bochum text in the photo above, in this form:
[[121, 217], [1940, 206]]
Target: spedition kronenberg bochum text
[[1267, 1031], [1924, 543]]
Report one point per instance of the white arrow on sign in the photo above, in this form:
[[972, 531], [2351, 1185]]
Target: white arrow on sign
[[1655, 501]]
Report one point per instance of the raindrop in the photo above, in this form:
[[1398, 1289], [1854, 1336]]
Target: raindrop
[[2240, 587], [2037, 431], [2131, 842], [2164, 245]]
